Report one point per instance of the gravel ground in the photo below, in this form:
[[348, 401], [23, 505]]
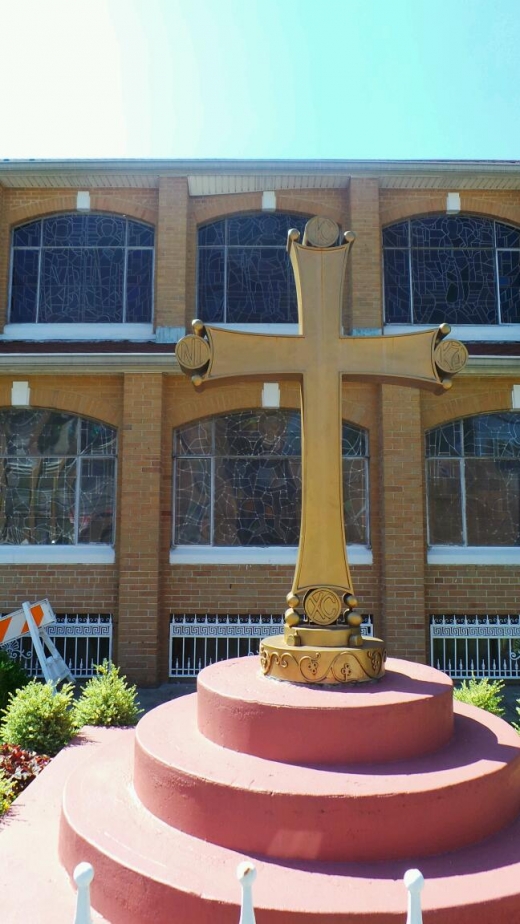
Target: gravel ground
[[150, 697]]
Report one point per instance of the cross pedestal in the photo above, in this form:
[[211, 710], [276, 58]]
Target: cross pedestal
[[322, 641]]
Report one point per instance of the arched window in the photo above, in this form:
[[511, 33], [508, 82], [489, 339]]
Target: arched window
[[460, 269], [82, 268], [237, 480], [473, 481], [57, 479], [244, 274]]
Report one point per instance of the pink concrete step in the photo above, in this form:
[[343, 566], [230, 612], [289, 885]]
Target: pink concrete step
[[406, 714], [148, 871], [34, 886], [421, 806]]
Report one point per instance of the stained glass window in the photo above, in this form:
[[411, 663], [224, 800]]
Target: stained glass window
[[455, 268], [88, 268], [57, 479], [473, 481], [237, 480], [244, 274]]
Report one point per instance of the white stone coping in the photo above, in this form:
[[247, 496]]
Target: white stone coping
[[78, 331], [57, 555], [465, 332], [145, 332], [473, 555], [250, 555]]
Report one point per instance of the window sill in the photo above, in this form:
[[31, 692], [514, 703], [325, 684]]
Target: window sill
[[56, 555], [247, 555], [473, 555], [470, 332], [77, 332]]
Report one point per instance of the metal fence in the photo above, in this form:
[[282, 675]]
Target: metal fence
[[82, 640], [479, 646], [197, 640]]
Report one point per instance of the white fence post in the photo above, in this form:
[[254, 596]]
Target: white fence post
[[83, 876], [246, 875], [414, 882]]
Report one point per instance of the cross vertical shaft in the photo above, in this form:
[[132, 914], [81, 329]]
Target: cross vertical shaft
[[321, 598], [322, 556]]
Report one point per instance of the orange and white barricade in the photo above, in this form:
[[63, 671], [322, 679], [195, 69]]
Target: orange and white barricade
[[32, 620]]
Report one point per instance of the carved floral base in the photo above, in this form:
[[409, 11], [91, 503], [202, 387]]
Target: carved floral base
[[322, 665]]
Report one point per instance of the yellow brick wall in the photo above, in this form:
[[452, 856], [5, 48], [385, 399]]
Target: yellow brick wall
[[365, 263], [255, 588], [138, 552], [470, 588], [71, 588], [21, 205], [142, 588], [170, 268], [402, 522], [397, 204]]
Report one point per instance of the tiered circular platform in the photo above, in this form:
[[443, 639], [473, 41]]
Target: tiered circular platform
[[332, 792]]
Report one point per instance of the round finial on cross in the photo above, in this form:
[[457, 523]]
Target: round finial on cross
[[321, 232], [450, 356], [198, 327]]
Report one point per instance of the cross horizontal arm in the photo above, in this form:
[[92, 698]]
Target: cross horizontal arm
[[234, 353], [420, 360]]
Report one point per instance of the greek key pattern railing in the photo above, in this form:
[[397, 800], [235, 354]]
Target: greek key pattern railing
[[83, 640], [197, 640], [480, 646]]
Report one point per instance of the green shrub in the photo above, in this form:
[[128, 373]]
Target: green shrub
[[12, 677], [6, 792], [38, 719], [107, 699], [486, 694]]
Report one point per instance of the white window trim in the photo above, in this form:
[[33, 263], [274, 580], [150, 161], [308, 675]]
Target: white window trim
[[464, 332], [509, 333], [251, 555], [57, 555], [77, 331], [473, 555]]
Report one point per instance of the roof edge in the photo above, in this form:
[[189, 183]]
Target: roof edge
[[184, 167]]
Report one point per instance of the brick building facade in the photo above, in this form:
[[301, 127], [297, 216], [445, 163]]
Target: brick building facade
[[129, 381]]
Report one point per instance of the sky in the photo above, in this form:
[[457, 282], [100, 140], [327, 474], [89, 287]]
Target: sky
[[267, 79]]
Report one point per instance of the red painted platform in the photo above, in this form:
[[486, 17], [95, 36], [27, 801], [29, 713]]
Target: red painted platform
[[166, 816], [238, 709], [418, 807]]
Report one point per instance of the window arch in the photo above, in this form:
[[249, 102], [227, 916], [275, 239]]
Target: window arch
[[237, 480], [244, 274], [87, 268], [57, 478], [457, 268], [473, 481]]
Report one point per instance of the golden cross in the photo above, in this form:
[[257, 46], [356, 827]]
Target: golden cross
[[320, 356]]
